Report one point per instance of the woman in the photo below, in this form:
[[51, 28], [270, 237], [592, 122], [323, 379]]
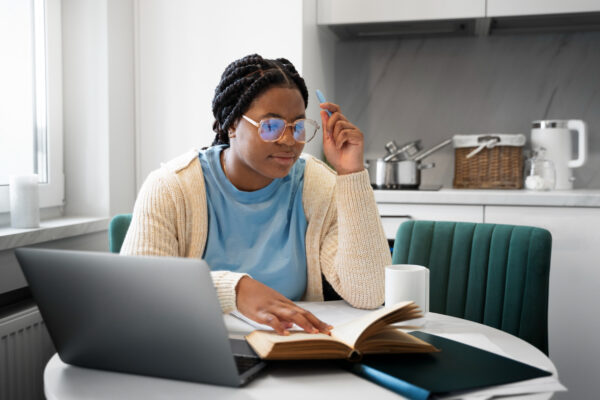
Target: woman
[[269, 223]]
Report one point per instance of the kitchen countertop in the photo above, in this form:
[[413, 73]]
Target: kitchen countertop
[[555, 198]]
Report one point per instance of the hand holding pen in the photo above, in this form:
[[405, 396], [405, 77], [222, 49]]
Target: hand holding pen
[[343, 142]]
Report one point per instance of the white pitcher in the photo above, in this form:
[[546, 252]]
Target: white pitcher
[[555, 137]]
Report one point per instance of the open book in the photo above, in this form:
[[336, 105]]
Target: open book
[[371, 333]]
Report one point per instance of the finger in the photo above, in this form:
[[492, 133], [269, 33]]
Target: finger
[[320, 325], [332, 107], [333, 120], [296, 315], [342, 139], [288, 325], [342, 124], [326, 134], [271, 320], [347, 135]]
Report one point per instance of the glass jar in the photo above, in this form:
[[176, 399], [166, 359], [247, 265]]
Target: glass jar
[[540, 173]]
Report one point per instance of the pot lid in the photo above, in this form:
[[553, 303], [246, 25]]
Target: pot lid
[[404, 152]]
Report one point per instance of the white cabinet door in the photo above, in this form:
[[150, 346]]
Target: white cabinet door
[[393, 214], [332, 12], [500, 8], [574, 289]]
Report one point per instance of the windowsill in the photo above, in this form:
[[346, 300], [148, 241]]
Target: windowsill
[[51, 229]]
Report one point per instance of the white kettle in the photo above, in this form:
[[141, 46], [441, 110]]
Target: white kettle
[[555, 137]]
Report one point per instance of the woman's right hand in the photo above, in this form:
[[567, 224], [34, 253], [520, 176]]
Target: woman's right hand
[[267, 306]]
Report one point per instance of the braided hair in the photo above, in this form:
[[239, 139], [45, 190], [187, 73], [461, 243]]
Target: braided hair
[[242, 81]]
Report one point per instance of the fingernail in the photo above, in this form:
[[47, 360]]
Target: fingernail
[[286, 333], [330, 327]]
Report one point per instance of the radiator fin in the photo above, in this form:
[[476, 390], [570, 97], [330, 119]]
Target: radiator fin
[[25, 348]]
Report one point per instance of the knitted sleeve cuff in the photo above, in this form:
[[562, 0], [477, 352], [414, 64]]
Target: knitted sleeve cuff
[[225, 283], [354, 185]]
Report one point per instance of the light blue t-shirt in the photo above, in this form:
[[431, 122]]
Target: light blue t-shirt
[[262, 232]]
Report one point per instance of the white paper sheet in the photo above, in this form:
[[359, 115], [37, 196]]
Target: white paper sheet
[[332, 312], [538, 385]]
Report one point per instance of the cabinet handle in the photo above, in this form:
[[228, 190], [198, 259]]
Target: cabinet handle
[[396, 216]]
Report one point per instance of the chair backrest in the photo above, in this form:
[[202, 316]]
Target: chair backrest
[[117, 229], [493, 274]]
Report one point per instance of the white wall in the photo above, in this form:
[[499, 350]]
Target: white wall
[[318, 56], [98, 106], [85, 102], [182, 49], [121, 106]]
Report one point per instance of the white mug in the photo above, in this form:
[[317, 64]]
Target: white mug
[[407, 282]]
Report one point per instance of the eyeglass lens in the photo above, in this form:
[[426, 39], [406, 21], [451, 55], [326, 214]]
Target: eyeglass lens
[[271, 129]]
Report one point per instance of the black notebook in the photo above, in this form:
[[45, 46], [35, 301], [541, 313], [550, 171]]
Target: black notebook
[[457, 367]]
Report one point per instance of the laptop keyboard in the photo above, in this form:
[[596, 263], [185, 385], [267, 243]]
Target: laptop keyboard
[[245, 363]]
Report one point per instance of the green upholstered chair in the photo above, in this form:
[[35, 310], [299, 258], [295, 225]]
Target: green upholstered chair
[[493, 274], [117, 229]]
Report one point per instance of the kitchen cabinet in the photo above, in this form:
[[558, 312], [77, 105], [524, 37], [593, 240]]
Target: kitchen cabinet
[[337, 12], [360, 18], [393, 214], [504, 8], [574, 288]]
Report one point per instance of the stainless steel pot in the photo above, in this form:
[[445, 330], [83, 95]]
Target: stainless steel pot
[[405, 174], [395, 174]]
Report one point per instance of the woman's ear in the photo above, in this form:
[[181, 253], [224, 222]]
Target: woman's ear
[[232, 129]]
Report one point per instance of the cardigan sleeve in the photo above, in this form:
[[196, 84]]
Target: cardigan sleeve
[[158, 226], [354, 249], [153, 228]]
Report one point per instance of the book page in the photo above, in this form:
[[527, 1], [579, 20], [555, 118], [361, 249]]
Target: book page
[[351, 331], [273, 337], [334, 313], [297, 345], [331, 312]]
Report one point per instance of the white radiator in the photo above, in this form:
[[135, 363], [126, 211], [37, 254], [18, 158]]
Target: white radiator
[[25, 348]]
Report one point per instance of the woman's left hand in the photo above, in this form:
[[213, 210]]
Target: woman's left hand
[[343, 142]]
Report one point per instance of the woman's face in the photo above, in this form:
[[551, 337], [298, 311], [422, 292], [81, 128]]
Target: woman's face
[[256, 162]]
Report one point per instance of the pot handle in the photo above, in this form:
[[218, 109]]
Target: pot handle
[[426, 166], [432, 150]]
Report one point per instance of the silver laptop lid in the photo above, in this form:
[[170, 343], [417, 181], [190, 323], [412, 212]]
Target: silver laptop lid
[[157, 316]]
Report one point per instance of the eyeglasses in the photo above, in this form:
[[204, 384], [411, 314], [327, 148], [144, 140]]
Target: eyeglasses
[[272, 129]]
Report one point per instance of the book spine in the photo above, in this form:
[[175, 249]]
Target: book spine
[[392, 383]]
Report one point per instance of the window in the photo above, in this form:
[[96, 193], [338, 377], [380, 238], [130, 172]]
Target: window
[[31, 96]]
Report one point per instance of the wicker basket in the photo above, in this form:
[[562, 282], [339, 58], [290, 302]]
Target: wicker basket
[[491, 161]]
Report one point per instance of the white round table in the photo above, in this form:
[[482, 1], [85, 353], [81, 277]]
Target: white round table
[[66, 382]]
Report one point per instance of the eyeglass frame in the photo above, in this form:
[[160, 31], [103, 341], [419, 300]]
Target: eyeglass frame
[[290, 124]]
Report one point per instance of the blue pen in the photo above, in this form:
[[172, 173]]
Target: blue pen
[[322, 100]]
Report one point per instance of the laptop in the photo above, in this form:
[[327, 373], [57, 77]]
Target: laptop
[[156, 316]]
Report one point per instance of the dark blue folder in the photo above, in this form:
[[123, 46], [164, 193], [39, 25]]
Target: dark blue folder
[[456, 368]]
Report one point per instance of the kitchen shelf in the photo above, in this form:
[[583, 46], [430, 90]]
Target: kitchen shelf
[[562, 198]]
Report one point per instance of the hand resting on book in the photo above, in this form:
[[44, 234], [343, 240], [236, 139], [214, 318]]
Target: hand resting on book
[[267, 306]]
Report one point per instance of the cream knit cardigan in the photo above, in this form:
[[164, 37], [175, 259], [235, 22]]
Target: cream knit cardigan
[[344, 237]]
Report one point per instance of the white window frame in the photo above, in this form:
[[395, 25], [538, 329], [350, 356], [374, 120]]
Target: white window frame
[[52, 193]]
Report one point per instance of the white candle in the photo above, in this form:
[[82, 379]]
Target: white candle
[[24, 201]]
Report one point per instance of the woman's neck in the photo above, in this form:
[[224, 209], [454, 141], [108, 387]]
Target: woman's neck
[[240, 175]]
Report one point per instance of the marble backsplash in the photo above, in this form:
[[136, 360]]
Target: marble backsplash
[[433, 88]]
